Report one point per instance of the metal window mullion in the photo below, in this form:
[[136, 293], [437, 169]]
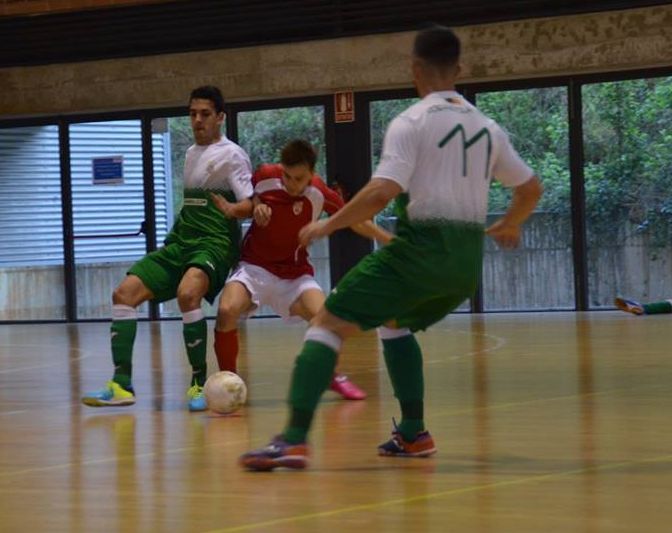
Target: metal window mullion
[[476, 301], [578, 196], [69, 272], [148, 190]]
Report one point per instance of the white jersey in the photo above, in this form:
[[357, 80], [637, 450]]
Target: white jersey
[[220, 166], [444, 152]]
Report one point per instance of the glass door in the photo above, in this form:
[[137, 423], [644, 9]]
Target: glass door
[[539, 274], [628, 180], [108, 210], [31, 255]]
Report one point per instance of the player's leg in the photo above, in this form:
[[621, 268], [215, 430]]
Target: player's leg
[[130, 293], [306, 306], [361, 301], [190, 292], [403, 359], [313, 370], [234, 302], [658, 308], [404, 362], [636, 308]]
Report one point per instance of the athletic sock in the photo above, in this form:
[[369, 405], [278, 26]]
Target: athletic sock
[[226, 349], [658, 308], [313, 371], [403, 359], [195, 332], [122, 336]]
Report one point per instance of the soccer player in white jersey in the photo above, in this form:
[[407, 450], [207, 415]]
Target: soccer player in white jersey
[[438, 159], [197, 254]]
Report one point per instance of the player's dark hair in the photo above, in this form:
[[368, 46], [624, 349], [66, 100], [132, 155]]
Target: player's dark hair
[[298, 152], [438, 46], [209, 92]]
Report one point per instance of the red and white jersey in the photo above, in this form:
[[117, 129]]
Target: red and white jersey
[[275, 246]]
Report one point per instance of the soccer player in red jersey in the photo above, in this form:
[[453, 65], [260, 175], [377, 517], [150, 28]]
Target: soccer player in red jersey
[[274, 268]]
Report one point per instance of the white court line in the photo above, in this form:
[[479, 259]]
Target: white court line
[[7, 413], [45, 365], [500, 342]]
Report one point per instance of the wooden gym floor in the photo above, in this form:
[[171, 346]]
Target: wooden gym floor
[[558, 422]]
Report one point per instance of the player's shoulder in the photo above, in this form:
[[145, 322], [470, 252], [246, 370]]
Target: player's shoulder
[[267, 171], [318, 187], [318, 190], [318, 183], [226, 146]]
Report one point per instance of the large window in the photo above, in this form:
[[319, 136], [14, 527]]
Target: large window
[[628, 179], [539, 274], [263, 133], [31, 255], [101, 211], [107, 216]]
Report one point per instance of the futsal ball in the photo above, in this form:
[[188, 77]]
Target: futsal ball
[[225, 392]]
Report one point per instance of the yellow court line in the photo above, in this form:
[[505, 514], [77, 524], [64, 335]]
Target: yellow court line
[[443, 494]]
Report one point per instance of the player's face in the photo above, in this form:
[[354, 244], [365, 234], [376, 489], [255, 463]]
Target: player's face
[[296, 178], [206, 123]]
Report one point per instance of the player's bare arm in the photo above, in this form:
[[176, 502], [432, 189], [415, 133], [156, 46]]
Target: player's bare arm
[[371, 199], [372, 231], [242, 209], [506, 231]]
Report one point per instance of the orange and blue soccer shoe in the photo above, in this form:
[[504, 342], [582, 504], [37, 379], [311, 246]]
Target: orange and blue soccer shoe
[[629, 306], [278, 453], [397, 446]]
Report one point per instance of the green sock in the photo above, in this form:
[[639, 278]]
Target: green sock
[[313, 371], [658, 308], [195, 340], [122, 334], [404, 365]]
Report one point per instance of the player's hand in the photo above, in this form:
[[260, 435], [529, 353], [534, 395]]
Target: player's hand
[[223, 204], [507, 235], [262, 214], [313, 231]]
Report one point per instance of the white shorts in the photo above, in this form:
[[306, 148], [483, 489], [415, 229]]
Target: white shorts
[[268, 289]]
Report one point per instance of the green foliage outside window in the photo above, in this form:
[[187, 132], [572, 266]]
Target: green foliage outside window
[[627, 138]]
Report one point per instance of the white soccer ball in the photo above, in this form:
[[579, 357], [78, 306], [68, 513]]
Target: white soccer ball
[[225, 392]]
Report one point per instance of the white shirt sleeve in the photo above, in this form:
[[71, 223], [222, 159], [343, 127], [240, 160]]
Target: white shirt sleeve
[[400, 150], [239, 170], [508, 167]]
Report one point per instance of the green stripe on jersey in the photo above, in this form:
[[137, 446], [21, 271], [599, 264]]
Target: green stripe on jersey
[[199, 217]]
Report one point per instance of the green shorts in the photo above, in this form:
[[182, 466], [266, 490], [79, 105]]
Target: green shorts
[[426, 272], [161, 271]]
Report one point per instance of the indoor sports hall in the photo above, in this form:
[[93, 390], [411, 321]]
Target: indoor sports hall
[[549, 406]]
